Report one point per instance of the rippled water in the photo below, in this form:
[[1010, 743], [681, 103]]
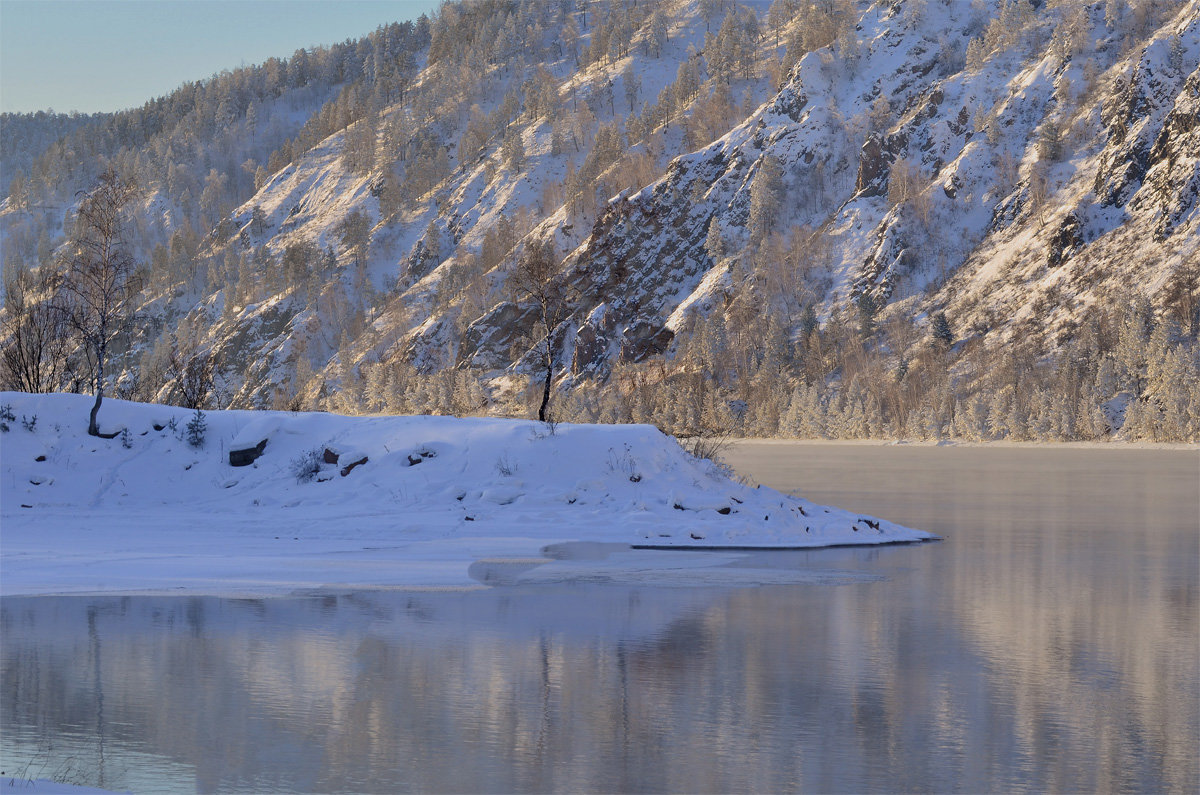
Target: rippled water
[[1049, 643]]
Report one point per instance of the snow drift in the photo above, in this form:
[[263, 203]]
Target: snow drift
[[321, 500]]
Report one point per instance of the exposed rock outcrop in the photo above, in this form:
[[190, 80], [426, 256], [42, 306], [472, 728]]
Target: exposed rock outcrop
[[247, 455]]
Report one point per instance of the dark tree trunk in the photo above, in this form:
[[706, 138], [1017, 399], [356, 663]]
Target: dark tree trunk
[[546, 387], [101, 352], [93, 425]]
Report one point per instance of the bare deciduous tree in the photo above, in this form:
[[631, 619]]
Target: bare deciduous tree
[[36, 340], [99, 280], [536, 279], [193, 371]]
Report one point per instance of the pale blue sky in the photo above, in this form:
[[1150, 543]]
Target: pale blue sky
[[106, 55]]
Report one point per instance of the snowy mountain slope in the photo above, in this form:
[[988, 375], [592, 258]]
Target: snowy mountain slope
[[708, 176], [1119, 214], [964, 213], [351, 486], [988, 204], [407, 269]]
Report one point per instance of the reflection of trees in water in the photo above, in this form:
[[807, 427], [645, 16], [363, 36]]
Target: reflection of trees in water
[[968, 666], [1103, 644], [98, 691], [1068, 582]]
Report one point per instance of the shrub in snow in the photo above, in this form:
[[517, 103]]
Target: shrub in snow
[[6, 416], [306, 465], [624, 463], [126, 439], [505, 467], [196, 429], [29, 423], [709, 448]]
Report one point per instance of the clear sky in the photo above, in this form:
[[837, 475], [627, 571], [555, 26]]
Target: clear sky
[[106, 55]]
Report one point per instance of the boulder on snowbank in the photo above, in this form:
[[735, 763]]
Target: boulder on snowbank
[[247, 455]]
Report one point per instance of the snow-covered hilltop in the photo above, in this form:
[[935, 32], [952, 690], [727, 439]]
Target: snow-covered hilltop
[[319, 500]]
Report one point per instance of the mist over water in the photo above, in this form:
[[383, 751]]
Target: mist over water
[[1049, 643]]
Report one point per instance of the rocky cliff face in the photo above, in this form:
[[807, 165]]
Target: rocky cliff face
[[1037, 182]]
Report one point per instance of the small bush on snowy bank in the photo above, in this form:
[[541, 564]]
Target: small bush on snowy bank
[[6, 416], [624, 463], [307, 465], [505, 467], [709, 448]]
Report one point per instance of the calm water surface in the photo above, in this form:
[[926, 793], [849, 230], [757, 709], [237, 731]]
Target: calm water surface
[[1049, 643]]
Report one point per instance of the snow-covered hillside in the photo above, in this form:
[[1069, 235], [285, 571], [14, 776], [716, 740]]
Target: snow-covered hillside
[[989, 220], [320, 500], [758, 210]]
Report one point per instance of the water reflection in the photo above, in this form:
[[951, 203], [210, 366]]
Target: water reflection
[[1014, 656]]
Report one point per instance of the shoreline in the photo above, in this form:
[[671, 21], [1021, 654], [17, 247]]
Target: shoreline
[[997, 444]]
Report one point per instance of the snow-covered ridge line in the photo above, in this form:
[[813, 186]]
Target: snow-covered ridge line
[[375, 488]]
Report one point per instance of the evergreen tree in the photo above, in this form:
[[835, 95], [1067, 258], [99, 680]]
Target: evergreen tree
[[632, 85], [940, 330], [513, 151], [868, 307], [354, 233], [766, 195], [197, 427]]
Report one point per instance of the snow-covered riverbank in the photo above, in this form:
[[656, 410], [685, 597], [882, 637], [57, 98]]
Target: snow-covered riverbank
[[354, 502]]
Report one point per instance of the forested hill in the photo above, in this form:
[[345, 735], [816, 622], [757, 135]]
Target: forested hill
[[24, 137], [842, 218]]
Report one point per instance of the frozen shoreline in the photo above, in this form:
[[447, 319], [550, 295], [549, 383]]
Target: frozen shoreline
[[341, 503], [1115, 444]]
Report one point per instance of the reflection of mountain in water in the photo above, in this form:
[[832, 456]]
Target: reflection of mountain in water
[[344, 682], [1049, 656]]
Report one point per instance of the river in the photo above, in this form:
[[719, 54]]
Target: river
[[1049, 642]]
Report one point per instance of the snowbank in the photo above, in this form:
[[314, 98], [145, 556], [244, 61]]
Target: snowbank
[[326, 501]]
